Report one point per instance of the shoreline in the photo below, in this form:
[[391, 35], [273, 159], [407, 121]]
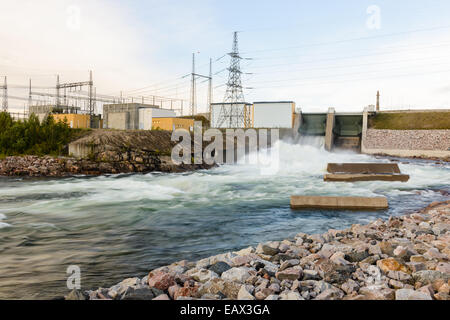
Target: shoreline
[[403, 258], [63, 167]]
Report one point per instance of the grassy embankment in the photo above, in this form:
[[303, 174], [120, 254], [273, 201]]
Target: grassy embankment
[[411, 121], [31, 137]]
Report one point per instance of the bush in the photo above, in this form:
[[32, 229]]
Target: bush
[[32, 137]]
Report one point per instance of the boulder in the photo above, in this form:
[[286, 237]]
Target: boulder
[[408, 294], [236, 274], [290, 274]]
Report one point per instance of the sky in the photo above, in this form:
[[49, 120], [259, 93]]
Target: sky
[[319, 54]]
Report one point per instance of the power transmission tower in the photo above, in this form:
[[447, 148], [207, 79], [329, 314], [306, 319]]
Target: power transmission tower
[[234, 91], [234, 112], [5, 96]]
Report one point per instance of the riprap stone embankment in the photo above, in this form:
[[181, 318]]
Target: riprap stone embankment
[[404, 258]]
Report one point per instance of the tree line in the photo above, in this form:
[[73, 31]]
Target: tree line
[[33, 137]]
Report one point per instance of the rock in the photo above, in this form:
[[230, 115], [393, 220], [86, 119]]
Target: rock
[[357, 255], [245, 293], [160, 280], [288, 264], [377, 293], [236, 274], [331, 294], [386, 248], [350, 286], [273, 297], [418, 258], [173, 290], [415, 266], [290, 296], [400, 252], [408, 294], [391, 264], [434, 253], [338, 258], [311, 275], [429, 276], [162, 297], [399, 275], [204, 275], [274, 287], [239, 261], [75, 295], [186, 291], [220, 267], [290, 274], [269, 250], [443, 267], [440, 228], [396, 284], [140, 293], [245, 252]]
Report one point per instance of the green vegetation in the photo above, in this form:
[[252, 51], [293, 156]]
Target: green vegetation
[[31, 137], [411, 121]]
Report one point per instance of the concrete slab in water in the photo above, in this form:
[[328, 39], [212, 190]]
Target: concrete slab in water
[[364, 168], [365, 177], [341, 203]]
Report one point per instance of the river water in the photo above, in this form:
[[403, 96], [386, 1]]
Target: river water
[[114, 227]]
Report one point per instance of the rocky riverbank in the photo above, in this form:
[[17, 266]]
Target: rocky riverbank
[[34, 166], [404, 258]]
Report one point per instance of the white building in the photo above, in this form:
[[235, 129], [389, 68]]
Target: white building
[[277, 114]]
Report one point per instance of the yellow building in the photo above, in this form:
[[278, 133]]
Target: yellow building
[[171, 124], [74, 120]]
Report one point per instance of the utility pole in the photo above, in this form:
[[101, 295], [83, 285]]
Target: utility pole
[[378, 100], [193, 88], [30, 98], [5, 96], [210, 93], [91, 93], [57, 92]]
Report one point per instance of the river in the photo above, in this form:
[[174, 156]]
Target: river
[[114, 227]]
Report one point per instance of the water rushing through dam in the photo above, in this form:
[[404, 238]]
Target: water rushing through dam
[[114, 227]]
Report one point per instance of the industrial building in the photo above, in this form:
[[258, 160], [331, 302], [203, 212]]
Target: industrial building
[[172, 124], [75, 121], [75, 117], [133, 116], [277, 114], [266, 114]]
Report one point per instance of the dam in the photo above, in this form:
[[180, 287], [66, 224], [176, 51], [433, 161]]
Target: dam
[[339, 130]]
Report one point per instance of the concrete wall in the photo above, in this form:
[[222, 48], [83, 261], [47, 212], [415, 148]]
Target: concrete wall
[[119, 120], [329, 136], [405, 143]]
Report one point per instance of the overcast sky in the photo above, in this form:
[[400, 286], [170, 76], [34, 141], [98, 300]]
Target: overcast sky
[[319, 54]]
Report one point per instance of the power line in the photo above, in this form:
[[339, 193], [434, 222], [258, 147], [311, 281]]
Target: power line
[[350, 40]]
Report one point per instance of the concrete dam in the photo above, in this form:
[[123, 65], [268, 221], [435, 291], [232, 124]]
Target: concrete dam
[[340, 130]]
